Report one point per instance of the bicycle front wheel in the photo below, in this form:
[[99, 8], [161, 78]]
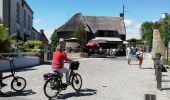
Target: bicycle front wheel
[[76, 82], [52, 87], [18, 83]]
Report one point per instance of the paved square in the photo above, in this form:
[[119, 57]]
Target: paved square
[[103, 79]]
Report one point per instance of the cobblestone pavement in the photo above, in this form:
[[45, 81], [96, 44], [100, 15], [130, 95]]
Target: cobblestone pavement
[[103, 79]]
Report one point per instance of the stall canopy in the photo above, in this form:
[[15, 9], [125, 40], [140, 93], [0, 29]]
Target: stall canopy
[[105, 39], [92, 44]]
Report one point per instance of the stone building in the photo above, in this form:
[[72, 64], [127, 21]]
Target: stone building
[[18, 17], [36, 35]]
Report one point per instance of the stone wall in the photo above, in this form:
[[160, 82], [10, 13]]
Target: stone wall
[[20, 62], [157, 46]]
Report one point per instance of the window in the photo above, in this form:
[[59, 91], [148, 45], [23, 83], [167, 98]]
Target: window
[[18, 13], [24, 18], [18, 35], [33, 36], [110, 34], [101, 33], [29, 22]]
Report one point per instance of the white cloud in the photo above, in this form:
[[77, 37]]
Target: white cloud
[[128, 22], [37, 21], [132, 29], [48, 32], [138, 26]]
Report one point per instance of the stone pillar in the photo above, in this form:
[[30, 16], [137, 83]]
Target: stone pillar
[[157, 46]]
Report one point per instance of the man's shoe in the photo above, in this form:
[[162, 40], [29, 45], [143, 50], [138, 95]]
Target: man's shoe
[[3, 84]]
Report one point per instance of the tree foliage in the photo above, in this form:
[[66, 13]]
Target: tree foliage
[[147, 33], [5, 39], [165, 30], [80, 33], [136, 41], [54, 41]]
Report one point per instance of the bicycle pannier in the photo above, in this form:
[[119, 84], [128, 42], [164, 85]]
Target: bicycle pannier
[[74, 65]]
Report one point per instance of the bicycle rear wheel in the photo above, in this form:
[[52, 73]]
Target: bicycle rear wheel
[[18, 83], [52, 87], [76, 82]]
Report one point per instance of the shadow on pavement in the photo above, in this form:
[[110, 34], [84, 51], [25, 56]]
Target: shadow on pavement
[[165, 89], [83, 92], [21, 93], [25, 69], [47, 63], [165, 80], [134, 64], [147, 68]]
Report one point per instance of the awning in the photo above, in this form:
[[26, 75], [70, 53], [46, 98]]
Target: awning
[[71, 39], [125, 42], [105, 39]]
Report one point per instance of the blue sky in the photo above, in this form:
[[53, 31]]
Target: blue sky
[[51, 14]]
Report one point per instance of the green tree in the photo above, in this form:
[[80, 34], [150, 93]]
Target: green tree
[[5, 39], [135, 41], [80, 33], [54, 41], [147, 33], [165, 30]]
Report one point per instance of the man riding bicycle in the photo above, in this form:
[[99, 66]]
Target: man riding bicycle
[[1, 73], [59, 57]]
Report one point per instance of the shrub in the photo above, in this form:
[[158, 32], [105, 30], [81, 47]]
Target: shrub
[[28, 46], [5, 39], [32, 46]]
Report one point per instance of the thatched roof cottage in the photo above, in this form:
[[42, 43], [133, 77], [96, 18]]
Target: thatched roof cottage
[[107, 31]]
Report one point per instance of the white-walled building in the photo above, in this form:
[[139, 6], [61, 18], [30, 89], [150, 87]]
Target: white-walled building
[[18, 17]]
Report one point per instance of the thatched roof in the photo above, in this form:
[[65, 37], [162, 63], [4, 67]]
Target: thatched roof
[[94, 23]]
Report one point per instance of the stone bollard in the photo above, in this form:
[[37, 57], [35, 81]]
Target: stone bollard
[[158, 70], [41, 57], [150, 97]]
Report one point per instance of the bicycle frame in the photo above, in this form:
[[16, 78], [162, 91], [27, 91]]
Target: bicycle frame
[[71, 74], [12, 71]]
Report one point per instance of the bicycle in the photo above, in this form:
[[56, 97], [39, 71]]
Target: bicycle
[[54, 85], [18, 83]]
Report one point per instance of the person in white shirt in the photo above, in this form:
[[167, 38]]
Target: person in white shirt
[[129, 54]]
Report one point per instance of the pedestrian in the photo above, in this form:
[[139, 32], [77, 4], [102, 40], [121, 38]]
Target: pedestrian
[[90, 51], [59, 57], [114, 51], [1, 74], [140, 57], [129, 53], [100, 50]]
